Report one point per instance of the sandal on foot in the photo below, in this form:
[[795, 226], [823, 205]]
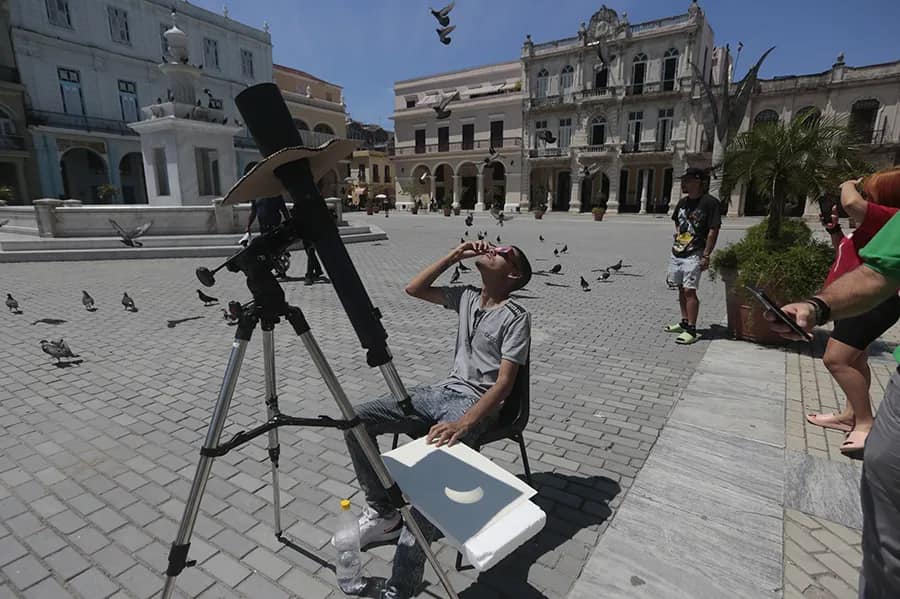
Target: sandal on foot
[[831, 421], [686, 338], [854, 445], [674, 328]]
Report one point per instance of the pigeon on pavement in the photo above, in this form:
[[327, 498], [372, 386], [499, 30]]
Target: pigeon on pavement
[[604, 275], [12, 304], [88, 301], [541, 238], [498, 239], [444, 34], [455, 276], [443, 15], [57, 349], [556, 269], [617, 266], [564, 249], [469, 220], [129, 236], [207, 299], [556, 252], [463, 268], [128, 302], [585, 285]]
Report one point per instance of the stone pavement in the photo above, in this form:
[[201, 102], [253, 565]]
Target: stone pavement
[[97, 458]]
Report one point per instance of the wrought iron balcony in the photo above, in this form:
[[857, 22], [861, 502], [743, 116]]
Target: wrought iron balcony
[[646, 146], [601, 93], [653, 88], [597, 148], [78, 122], [481, 146], [551, 101], [548, 152]]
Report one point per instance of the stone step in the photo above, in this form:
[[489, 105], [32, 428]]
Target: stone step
[[149, 252]]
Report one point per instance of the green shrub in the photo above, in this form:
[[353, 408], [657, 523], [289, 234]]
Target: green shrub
[[789, 268]]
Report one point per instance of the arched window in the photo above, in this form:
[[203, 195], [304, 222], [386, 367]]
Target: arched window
[[323, 128], [765, 116], [670, 69], [301, 124], [543, 83], [566, 79], [7, 124], [863, 115], [638, 73], [598, 131]]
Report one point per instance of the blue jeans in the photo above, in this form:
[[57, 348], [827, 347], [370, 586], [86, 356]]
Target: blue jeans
[[430, 406]]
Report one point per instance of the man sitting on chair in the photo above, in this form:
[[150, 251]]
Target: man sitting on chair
[[492, 341]]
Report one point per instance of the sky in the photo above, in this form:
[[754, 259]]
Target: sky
[[367, 45]]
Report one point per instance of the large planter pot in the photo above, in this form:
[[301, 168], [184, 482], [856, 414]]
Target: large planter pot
[[538, 214], [370, 211], [746, 317], [447, 211], [414, 209], [456, 211], [598, 215]]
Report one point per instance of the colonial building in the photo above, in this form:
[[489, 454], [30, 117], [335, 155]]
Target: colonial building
[[610, 115], [445, 159], [372, 136], [371, 174], [88, 68]]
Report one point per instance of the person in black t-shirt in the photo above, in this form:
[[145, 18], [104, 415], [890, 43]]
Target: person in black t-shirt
[[269, 211], [697, 223]]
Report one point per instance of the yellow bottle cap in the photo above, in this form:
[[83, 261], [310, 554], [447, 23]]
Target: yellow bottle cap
[[345, 504]]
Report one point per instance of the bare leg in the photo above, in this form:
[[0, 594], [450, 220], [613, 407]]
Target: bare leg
[[691, 306], [850, 369], [682, 302]]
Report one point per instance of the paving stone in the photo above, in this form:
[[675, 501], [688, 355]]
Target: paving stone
[[93, 583], [67, 563], [226, 569], [46, 589], [25, 572]]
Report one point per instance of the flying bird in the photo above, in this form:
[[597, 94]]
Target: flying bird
[[546, 135], [423, 177], [443, 34], [129, 237], [57, 349], [441, 109], [463, 268], [207, 299], [605, 274], [556, 269], [128, 302], [88, 301], [585, 285], [500, 217], [493, 156], [455, 276], [4, 222], [443, 15], [541, 237], [12, 304]]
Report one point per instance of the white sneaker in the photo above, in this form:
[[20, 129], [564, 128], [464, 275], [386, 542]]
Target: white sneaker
[[374, 529]]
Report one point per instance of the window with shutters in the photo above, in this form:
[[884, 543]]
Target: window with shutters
[[211, 54], [128, 101], [58, 13], [70, 88], [118, 25], [468, 136], [247, 64]]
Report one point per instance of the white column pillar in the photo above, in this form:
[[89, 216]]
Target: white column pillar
[[479, 192], [550, 189], [575, 197], [612, 202], [432, 188], [456, 192], [644, 191]]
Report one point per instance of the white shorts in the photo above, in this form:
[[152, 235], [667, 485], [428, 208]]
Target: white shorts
[[685, 272]]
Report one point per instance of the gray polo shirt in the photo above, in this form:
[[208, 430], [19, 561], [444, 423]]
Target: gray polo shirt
[[483, 339]]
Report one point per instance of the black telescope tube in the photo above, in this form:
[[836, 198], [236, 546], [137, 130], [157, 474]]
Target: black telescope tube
[[269, 122]]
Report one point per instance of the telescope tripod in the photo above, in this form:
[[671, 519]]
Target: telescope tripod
[[253, 315]]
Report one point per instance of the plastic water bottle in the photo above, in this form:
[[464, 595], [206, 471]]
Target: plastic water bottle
[[346, 540]]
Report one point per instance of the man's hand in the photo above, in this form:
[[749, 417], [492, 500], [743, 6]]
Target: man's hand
[[448, 433], [704, 263], [803, 314], [470, 249]]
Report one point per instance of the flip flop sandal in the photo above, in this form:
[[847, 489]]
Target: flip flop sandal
[[686, 338], [673, 328], [833, 424], [855, 451]]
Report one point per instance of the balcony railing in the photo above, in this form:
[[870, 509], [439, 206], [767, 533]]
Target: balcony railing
[[597, 148], [548, 152], [652, 88], [598, 93], [547, 101], [78, 122], [482, 145], [9, 74], [646, 146], [666, 22], [12, 142]]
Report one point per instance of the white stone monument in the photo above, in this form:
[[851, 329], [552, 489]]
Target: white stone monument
[[188, 149]]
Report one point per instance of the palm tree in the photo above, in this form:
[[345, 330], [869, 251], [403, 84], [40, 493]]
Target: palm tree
[[807, 157]]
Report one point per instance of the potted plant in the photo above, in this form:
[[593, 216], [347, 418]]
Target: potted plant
[[7, 195], [106, 192], [538, 208], [448, 206], [800, 159], [370, 206]]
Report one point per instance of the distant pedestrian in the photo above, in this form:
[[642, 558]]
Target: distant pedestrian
[[697, 223]]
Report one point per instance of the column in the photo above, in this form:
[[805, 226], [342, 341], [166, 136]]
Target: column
[[479, 192], [22, 191], [524, 184], [644, 191], [575, 197], [432, 190], [550, 189], [612, 202], [456, 192]]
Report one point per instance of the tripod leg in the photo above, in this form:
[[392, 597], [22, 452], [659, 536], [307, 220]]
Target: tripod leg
[[268, 340], [179, 551], [369, 449]]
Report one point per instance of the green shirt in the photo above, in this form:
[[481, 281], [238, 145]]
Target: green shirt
[[882, 254]]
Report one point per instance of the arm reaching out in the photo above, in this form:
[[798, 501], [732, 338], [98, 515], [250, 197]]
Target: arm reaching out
[[422, 284], [854, 204]]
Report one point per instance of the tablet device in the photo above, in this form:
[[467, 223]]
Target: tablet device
[[761, 296]]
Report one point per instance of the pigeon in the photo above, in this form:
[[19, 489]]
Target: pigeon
[[442, 114], [498, 239], [461, 240], [88, 301], [129, 237], [57, 349], [541, 237], [12, 304], [158, 99], [564, 249], [466, 233], [480, 236], [463, 268], [604, 275], [228, 316], [501, 217], [4, 222], [443, 34], [584, 285], [443, 15], [206, 299], [455, 276], [556, 252], [423, 177], [469, 220], [493, 156], [128, 302], [617, 266], [546, 135], [440, 108], [556, 269]]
